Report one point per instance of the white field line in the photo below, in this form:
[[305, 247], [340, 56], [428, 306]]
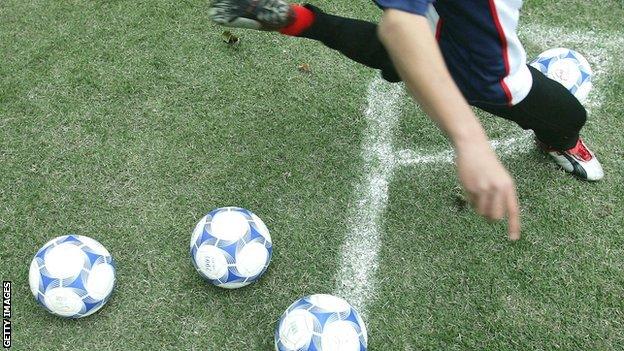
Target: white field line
[[504, 147], [359, 254], [359, 261]]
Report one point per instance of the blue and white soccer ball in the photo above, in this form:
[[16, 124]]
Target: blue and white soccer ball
[[321, 323], [72, 276], [567, 67], [231, 247]]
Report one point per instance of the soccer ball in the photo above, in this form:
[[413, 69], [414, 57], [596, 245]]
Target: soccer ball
[[72, 276], [567, 67], [231, 247], [321, 323]]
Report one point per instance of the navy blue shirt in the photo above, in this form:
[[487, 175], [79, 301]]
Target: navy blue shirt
[[480, 45], [418, 7]]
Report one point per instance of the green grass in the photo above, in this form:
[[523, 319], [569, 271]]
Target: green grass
[[128, 120]]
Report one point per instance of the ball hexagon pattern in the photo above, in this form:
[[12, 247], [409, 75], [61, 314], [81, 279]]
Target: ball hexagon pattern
[[321, 323], [567, 67], [231, 247], [72, 276]]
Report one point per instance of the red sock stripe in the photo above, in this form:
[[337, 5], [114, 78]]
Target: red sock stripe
[[304, 18]]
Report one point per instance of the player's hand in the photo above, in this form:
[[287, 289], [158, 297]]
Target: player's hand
[[490, 188]]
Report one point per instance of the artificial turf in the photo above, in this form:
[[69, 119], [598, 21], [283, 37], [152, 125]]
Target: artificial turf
[[127, 121]]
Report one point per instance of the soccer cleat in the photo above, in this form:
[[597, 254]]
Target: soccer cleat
[[252, 14], [578, 160]]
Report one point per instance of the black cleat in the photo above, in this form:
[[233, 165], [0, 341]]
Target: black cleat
[[252, 14]]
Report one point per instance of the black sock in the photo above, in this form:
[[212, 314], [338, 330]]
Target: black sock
[[356, 39]]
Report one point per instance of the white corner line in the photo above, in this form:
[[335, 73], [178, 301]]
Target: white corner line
[[516, 145], [360, 252]]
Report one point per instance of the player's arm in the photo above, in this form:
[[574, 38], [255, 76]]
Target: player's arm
[[418, 60]]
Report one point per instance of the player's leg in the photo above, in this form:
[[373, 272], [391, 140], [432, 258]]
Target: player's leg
[[355, 39], [498, 80], [556, 117]]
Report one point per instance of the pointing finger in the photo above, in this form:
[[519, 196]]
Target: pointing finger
[[513, 215]]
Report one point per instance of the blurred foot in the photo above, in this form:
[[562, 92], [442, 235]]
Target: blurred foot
[[252, 14]]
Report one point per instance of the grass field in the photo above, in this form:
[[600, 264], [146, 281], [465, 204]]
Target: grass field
[[127, 121]]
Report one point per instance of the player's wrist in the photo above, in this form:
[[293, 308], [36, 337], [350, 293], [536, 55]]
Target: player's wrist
[[470, 138]]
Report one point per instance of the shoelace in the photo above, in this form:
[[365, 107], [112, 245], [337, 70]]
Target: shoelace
[[580, 150]]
